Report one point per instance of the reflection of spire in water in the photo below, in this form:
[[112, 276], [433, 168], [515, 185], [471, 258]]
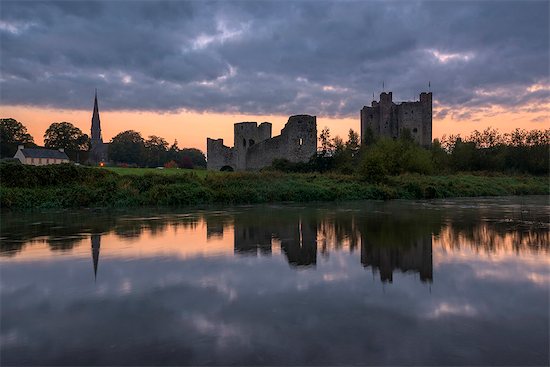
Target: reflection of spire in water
[[96, 244]]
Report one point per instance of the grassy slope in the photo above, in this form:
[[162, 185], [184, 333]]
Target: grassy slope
[[32, 187]]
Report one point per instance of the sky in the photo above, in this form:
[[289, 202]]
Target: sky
[[190, 70]]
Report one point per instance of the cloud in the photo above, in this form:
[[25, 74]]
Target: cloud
[[322, 58]]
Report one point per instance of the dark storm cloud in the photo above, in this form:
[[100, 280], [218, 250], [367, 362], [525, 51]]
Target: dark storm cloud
[[322, 58]]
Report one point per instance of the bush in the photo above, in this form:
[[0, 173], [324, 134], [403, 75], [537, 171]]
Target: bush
[[170, 164], [22, 175], [373, 168]]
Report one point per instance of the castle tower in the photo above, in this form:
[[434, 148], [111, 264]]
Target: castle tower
[[388, 119]]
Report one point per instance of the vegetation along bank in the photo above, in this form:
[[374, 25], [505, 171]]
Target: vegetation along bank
[[70, 186]]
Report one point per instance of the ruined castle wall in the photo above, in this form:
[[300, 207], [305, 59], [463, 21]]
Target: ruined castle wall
[[300, 137], [254, 148], [248, 134], [262, 154], [297, 143], [218, 155], [245, 135], [264, 131]]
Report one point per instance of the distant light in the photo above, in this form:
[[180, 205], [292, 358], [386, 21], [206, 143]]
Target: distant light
[[101, 164]]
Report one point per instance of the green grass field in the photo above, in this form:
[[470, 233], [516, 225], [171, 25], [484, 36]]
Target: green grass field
[[123, 171]]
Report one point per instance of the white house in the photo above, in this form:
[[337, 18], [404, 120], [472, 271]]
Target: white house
[[40, 157]]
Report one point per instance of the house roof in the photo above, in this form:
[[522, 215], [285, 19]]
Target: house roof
[[43, 153]]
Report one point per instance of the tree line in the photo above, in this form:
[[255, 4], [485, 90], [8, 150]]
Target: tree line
[[376, 158], [128, 148]]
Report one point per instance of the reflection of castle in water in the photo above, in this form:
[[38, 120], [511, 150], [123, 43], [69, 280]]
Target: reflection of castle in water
[[298, 237], [415, 257], [298, 240]]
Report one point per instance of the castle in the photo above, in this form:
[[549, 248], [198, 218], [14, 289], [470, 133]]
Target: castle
[[254, 148], [388, 119]]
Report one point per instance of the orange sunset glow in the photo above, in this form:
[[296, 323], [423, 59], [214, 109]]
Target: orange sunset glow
[[191, 129]]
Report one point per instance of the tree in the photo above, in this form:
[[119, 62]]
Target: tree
[[196, 157], [12, 134], [326, 142], [155, 150], [353, 142], [127, 147], [338, 144], [67, 136]]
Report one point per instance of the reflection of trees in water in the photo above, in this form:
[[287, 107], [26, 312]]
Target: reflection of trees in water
[[338, 230], [129, 228], [64, 230], [60, 230], [216, 222], [63, 243], [484, 237]]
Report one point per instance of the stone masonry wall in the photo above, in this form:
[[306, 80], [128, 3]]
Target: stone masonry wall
[[218, 155], [254, 148]]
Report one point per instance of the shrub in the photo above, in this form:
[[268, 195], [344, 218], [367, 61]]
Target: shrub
[[373, 168], [170, 164]]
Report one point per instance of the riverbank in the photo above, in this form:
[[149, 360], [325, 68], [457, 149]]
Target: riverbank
[[68, 186]]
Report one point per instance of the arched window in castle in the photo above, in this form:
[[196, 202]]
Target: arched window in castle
[[244, 142], [250, 142], [415, 130], [301, 141]]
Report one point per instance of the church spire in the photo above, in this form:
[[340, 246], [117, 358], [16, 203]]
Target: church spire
[[96, 124]]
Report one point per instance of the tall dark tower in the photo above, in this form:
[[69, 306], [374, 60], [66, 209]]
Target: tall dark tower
[[96, 125], [98, 151]]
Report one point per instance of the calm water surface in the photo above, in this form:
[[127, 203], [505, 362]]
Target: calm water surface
[[448, 282]]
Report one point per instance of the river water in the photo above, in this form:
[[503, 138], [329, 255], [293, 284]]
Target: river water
[[444, 282]]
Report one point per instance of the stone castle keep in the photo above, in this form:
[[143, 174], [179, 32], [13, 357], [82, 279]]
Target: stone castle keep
[[254, 148], [388, 119]]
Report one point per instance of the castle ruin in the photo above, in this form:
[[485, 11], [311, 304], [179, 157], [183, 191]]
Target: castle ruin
[[254, 148], [388, 119]]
